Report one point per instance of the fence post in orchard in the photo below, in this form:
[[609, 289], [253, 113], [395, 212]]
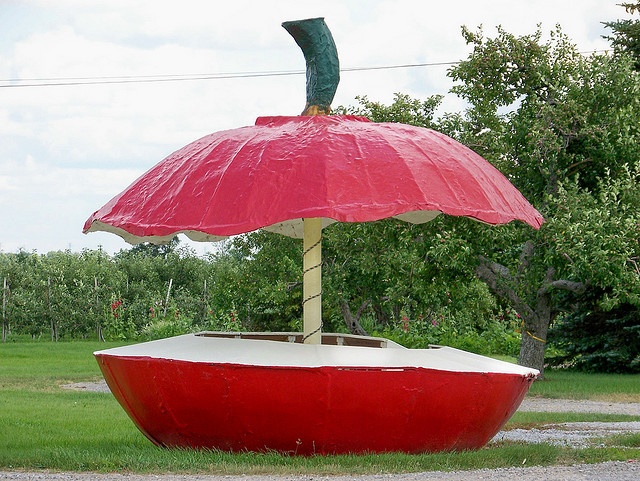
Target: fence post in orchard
[[5, 327], [54, 326], [166, 301], [98, 317]]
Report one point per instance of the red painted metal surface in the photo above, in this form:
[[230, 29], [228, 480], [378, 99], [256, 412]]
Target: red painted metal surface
[[343, 168], [307, 410]]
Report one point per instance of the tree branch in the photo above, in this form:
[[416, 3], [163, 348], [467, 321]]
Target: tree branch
[[497, 278], [566, 285], [525, 257], [577, 287], [362, 307]]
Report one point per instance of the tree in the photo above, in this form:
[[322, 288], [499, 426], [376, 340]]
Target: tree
[[631, 7], [601, 331], [161, 283], [547, 116], [595, 340], [404, 110], [265, 285], [153, 250], [626, 34]]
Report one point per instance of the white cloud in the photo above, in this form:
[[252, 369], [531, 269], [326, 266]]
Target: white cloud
[[64, 151]]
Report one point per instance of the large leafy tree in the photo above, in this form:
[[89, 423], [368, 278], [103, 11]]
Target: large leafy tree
[[550, 117]]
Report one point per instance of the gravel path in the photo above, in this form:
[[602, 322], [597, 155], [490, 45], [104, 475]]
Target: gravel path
[[575, 406], [572, 434], [610, 471]]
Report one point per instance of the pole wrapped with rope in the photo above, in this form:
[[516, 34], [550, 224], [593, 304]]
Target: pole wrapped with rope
[[312, 282], [323, 74]]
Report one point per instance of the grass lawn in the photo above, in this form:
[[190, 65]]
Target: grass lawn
[[560, 384], [43, 426]]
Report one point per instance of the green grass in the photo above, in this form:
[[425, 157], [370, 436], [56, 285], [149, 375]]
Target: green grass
[[45, 427], [525, 419], [559, 384], [46, 365], [562, 384]]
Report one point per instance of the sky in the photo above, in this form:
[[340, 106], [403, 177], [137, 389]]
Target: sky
[[65, 150]]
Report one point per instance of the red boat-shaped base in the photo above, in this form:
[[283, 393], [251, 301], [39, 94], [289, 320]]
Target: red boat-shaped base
[[255, 392]]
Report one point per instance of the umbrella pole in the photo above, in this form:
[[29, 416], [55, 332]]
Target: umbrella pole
[[312, 282]]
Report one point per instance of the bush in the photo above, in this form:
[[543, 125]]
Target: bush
[[161, 328], [497, 335]]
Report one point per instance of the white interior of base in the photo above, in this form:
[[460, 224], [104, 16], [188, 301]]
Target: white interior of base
[[195, 348]]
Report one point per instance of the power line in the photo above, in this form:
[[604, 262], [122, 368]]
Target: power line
[[66, 81], [63, 81], [129, 79]]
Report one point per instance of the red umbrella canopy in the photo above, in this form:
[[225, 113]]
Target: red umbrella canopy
[[294, 175], [284, 169]]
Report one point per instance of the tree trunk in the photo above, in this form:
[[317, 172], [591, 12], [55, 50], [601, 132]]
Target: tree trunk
[[532, 353], [534, 340], [204, 301], [536, 319], [353, 321], [534, 329]]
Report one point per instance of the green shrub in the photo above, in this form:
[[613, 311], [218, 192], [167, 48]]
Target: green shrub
[[496, 334], [166, 327]]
